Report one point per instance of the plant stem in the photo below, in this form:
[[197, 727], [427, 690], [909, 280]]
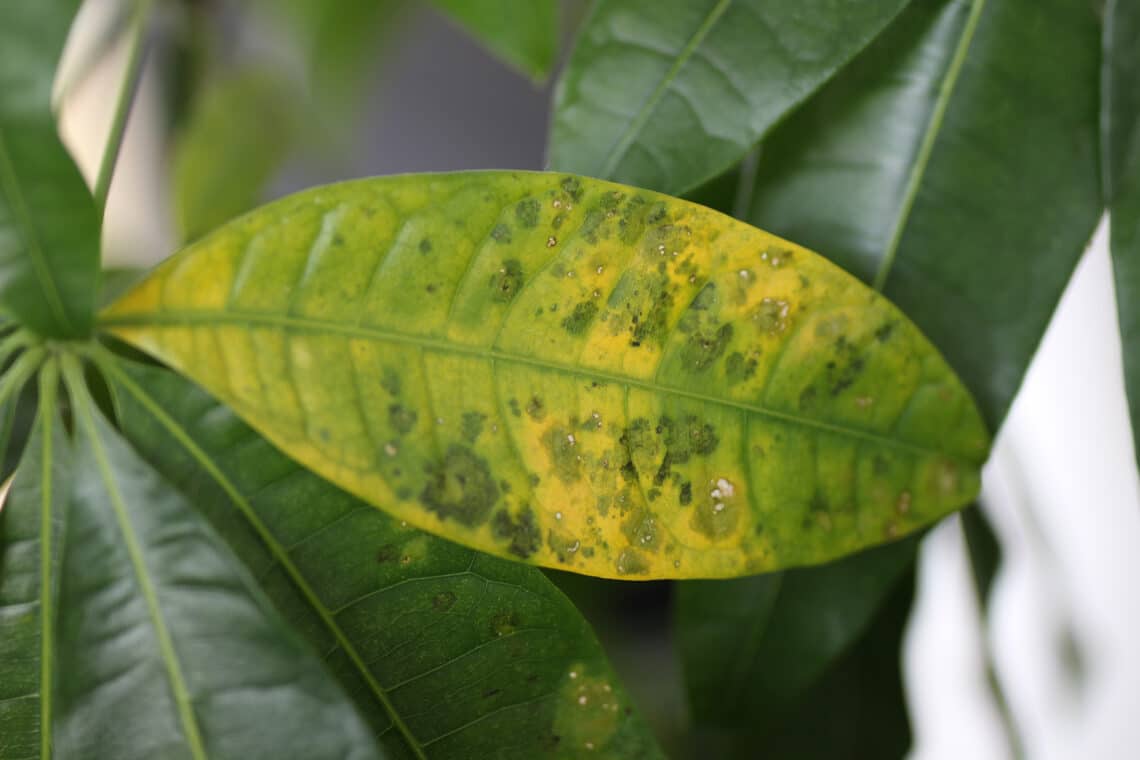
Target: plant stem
[[127, 90]]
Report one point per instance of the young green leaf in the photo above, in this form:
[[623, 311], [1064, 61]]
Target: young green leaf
[[524, 35], [49, 229], [169, 650], [954, 165], [570, 372], [1120, 153], [31, 526], [447, 652], [651, 79]]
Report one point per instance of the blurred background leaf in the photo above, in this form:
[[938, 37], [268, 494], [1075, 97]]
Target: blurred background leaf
[[524, 35]]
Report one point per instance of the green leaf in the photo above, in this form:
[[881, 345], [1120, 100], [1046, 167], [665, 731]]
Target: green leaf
[[995, 195], [169, 650], [575, 373], [755, 646], [1120, 153], [669, 93], [525, 35], [447, 652], [49, 228], [225, 157], [954, 164], [31, 526]]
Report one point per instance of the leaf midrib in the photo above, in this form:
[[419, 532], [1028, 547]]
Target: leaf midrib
[[239, 318], [108, 364], [621, 146], [38, 258]]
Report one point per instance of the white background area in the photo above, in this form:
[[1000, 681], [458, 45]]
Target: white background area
[[1061, 487]]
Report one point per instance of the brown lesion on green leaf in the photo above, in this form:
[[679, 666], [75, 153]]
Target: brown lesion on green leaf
[[521, 533], [505, 283], [443, 601], [460, 487]]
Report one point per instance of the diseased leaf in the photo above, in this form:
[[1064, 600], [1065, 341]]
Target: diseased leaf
[[446, 651], [954, 165], [1120, 154], [524, 35], [225, 157], [168, 648], [31, 523], [49, 229], [570, 372], [756, 646], [651, 79]]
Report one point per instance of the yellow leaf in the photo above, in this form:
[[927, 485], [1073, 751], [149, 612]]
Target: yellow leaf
[[570, 372]]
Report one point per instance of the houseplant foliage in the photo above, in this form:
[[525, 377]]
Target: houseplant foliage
[[310, 520]]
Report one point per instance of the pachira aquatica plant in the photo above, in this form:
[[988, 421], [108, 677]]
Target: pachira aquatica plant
[[292, 493]]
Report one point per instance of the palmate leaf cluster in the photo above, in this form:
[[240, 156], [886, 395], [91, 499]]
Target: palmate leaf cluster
[[307, 520]]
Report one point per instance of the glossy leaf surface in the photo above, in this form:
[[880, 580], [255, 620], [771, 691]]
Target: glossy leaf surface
[[524, 35], [446, 651], [649, 80], [954, 165], [938, 89], [755, 646], [30, 531], [1121, 169], [569, 372], [167, 647], [49, 229]]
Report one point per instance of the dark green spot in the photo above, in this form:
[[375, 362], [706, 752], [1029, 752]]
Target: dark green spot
[[580, 319], [704, 347], [737, 368], [390, 381], [460, 487], [472, 426], [501, 234], [631, 562], [572, 187], [387, 553], [522, 534], [641, 530], [401, 418], [425, 246], [536, 409], [884, 332], [686, 497], [506, 282], [515, 409], [563, 448], [526, 212], [504, 622], [443, 601], [563, 547]]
